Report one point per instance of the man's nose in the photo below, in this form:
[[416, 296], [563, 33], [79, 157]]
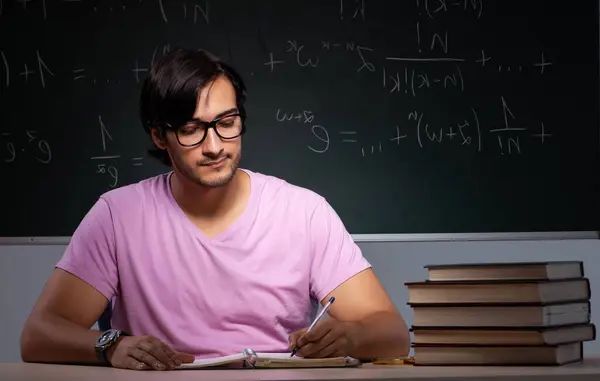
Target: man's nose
[[212, 145]]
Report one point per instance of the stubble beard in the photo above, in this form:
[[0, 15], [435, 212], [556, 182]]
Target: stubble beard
[[220, 180]]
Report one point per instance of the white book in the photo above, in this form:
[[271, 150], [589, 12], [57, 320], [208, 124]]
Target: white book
[[250, 359]]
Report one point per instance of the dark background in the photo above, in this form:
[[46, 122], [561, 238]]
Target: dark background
[[449, 173]]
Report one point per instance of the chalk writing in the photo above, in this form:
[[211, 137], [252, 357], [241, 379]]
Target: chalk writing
[[111, 170], [39, 69], [483, 59], [411, 81], [348, 136], [354, 7], [103, 133], [165, 49], [305, 116], [137, 70], [28, 70], [464, 133], [42, 146], [411, 76], [372, 149], [418, 29], [25, 73], [78, 74], [398, 136], [301, 60], [413, 97], [434, 7], [542, 64], [106, 163], [103, 167], [10, 148], [362, 52], [511, 143], [198, 10], [438, 40], [6, 69], [272, 62], [321, 134], [161, 6], [364, 63], [42, 72], [507, 115], [542, 135], [461, 133], [432, 59], [29, 143]]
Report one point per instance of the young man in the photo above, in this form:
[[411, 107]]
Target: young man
[[208, 259]]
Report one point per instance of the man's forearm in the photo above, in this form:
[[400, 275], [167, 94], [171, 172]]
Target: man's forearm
[[380, 335], [53, 339]]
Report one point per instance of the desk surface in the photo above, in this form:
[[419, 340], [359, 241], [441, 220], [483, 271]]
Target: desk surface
[[586, 371]]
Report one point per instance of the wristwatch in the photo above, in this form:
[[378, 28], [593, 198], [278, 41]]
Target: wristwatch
[[105, 341]]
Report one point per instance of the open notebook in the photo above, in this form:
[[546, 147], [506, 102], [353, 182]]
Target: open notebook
[[250, 359]]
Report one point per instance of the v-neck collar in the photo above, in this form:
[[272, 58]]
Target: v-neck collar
[[231, 229]]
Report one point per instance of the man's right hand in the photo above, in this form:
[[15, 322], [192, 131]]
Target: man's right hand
[[145, 352]]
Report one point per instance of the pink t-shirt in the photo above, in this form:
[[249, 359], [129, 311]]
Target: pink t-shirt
[[249, 287]]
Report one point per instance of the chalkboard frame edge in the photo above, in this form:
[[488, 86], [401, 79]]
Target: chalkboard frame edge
[[421, 237], [457, 237]]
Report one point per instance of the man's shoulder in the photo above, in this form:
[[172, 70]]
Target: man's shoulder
[[274, 189], [134, 193]]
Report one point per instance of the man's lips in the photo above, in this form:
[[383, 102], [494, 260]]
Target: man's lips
[[214, 163]]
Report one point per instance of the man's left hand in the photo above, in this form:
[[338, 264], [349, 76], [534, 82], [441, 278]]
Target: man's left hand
[[328, 338]]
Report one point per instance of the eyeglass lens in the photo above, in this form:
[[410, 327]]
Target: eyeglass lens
[[194, 132]]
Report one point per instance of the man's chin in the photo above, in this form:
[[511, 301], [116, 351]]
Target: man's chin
[[216, 179]]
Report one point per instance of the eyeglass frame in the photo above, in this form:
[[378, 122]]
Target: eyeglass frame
[[207, 126]]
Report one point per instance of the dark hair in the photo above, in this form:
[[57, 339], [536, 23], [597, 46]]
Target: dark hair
[[170, 91]]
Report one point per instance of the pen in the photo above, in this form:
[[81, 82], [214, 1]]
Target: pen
[[319, 316]]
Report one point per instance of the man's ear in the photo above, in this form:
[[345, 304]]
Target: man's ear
[[158, 137]]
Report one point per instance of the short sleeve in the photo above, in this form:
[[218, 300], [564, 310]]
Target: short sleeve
[[90, 254], [335, 255]]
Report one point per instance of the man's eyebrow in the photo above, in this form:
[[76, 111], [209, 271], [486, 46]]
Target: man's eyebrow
[[226, 112]]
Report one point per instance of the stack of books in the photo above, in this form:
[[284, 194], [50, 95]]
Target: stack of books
[[508, 313]]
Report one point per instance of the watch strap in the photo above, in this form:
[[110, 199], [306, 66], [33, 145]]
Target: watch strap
[[102, 349]]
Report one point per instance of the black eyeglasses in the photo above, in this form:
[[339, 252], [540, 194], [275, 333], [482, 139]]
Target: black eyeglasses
[[194, 131]]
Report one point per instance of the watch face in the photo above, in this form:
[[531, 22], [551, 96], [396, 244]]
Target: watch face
[[106, 337]]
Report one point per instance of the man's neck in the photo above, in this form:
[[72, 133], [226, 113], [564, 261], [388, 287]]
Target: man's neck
[[204, 202]]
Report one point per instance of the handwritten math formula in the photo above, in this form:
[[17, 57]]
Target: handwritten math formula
[[468, 133], [107, 162], [410, 79]]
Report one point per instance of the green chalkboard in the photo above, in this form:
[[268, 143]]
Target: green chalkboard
[[417, 116]]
